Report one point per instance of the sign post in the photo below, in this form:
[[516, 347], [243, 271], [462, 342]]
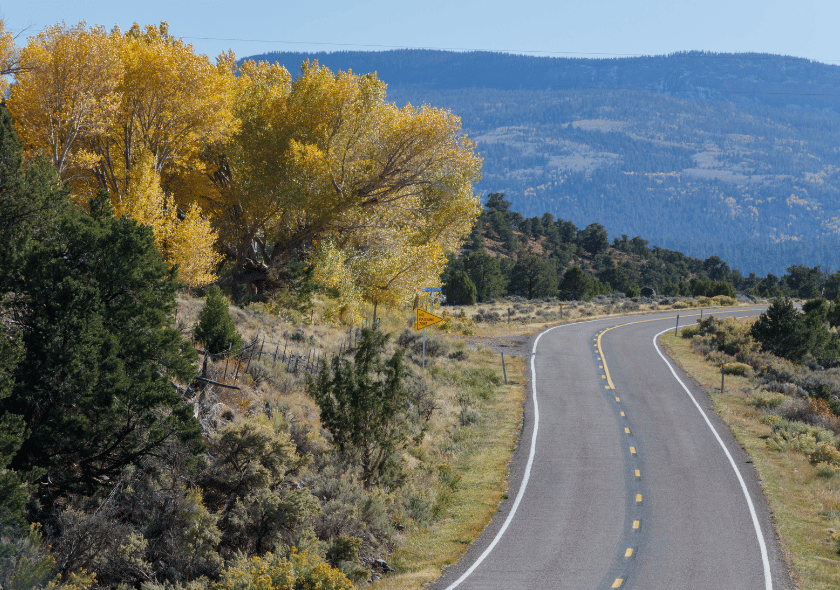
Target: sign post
[[722, 373], [425, 318]]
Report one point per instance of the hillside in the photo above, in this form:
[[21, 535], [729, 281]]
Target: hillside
[[543, 257], [708, 154]]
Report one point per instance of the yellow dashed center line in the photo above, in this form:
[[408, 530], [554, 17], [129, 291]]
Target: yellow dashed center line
[[638, 498], [636, 525], [632, 450], [622, 415], [619, 582], [638, 474], [628, 553], [626, 431], [601, 352]]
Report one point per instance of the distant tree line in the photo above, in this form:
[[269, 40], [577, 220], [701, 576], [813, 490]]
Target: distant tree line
[[535, 257]]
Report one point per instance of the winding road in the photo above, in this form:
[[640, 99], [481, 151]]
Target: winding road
[[624, 476]]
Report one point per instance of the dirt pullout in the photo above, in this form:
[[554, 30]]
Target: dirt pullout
[[510, 345]]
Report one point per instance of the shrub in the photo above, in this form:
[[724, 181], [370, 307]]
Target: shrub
[[739, 369], [272, 572], [469, 416], [813, 411], [797, 436], [408, 338], [724, 300], [214, 327], [347, 508], [245, 483], [826, 470], [435, 347], [825, 452], [480, 378], [768, 400], [459, 355], [689, 331]]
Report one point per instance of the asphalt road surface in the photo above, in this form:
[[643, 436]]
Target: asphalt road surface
[[624, 476]]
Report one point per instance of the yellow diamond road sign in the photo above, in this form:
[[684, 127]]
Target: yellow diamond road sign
[[426, 319]]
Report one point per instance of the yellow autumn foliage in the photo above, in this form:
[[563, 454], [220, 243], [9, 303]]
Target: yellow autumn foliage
[[273, 572], [8, 57], [65, 96], [375, 194], [179, 241], [107, 106], [267, 166]]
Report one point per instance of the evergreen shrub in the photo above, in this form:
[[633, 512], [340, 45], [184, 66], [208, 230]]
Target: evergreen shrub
[[214, 327]]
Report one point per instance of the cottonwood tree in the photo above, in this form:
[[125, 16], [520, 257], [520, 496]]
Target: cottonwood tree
[[129, 113], [9, 63], [66, 95], [375, 194]]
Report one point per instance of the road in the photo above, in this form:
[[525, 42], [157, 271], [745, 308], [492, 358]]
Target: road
[[621, 479]]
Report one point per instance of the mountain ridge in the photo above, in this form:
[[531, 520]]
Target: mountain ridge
[[734, 155]]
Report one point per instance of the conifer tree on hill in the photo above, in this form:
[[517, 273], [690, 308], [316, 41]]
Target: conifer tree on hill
[[95, 311], [92, 303]]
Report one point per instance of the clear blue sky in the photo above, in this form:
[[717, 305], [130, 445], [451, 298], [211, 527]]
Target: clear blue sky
[[585, 28]]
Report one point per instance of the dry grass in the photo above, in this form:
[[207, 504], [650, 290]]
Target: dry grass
[[461, 464], [805, 506], [484, 451]]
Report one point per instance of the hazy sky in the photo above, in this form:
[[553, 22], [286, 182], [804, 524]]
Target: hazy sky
[[585, 28]]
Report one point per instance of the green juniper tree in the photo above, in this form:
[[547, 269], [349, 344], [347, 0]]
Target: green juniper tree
[[794, 335], [460, 290], [94, 307], [215, 328], [533, 277], [486, 274], [364, 405], [576, 283]]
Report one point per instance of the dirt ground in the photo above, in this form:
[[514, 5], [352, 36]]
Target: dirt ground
[[510, 345]]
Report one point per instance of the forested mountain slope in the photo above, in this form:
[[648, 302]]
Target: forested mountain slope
[[709, 154]]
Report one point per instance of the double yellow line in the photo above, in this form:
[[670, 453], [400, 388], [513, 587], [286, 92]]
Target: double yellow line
[[610, 384]]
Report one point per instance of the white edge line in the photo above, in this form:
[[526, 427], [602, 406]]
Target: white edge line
[[768, 582], [530, 463], [525, 478]]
